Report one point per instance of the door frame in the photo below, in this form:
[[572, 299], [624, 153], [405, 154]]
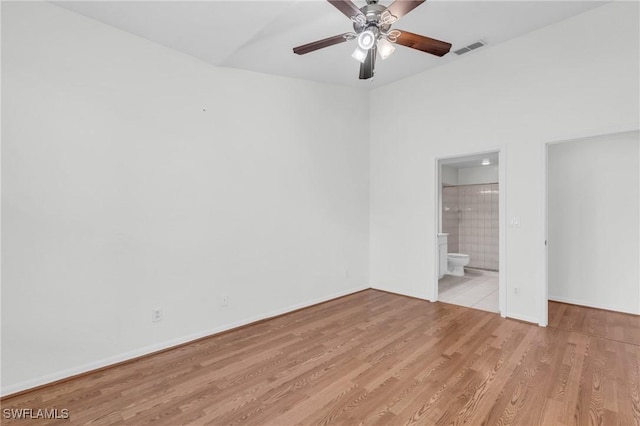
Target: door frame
[[502, 214], [544, 200]]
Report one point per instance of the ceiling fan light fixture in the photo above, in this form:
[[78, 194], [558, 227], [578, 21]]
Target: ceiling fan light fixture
[[359, 55], [373, 33], [385, 48], [366, 40], [387, 18]]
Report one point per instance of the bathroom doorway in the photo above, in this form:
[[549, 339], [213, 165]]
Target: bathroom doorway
[[469, 231]]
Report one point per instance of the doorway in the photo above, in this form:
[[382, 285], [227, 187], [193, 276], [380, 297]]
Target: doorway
[[592, 222], [470, 212]]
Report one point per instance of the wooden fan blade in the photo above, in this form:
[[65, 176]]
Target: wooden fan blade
[[425, 44], [346, 7], [326, 42], [367, 67], [399, 8]]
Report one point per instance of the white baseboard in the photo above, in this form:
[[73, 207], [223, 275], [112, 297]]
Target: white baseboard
[[588, 304], [105, 362], [402, 293], [525, 318]]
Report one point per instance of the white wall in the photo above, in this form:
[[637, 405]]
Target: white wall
[[475, 175], [575, 78], [594, 211], [449, 175], [469, 175], [121, 193]]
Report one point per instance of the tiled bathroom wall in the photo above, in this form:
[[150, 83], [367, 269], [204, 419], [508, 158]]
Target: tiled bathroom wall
[[451, 217], [470, 217]]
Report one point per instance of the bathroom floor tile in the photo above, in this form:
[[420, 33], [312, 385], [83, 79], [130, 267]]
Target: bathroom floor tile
[[489, 303], [476, 289], [489, 286], [480, 291], [464, 300], [450, 293]]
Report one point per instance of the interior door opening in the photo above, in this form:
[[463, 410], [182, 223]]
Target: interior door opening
[[469, 231], [592, 226]]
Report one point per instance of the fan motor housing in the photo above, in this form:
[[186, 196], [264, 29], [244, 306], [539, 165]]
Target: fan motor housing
[[372, 13]]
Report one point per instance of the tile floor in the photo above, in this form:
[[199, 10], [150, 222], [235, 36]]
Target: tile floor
[[477, 289]]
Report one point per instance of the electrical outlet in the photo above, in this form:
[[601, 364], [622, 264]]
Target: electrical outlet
[[156, 315], [225, 300], [346, 274], [516, 290]]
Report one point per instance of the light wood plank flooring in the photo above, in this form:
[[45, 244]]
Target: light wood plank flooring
[[374, 358]]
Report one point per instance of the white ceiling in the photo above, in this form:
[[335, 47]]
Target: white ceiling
[[259, 35]]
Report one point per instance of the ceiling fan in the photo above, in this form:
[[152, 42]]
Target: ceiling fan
[[372, 29]]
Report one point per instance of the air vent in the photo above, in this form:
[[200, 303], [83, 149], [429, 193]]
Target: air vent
[[470, 47]]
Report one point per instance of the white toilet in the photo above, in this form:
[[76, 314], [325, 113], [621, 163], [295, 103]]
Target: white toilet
[[456, 263]]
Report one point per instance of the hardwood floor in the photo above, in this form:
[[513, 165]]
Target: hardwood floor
[[595, 322], [374, 358]]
